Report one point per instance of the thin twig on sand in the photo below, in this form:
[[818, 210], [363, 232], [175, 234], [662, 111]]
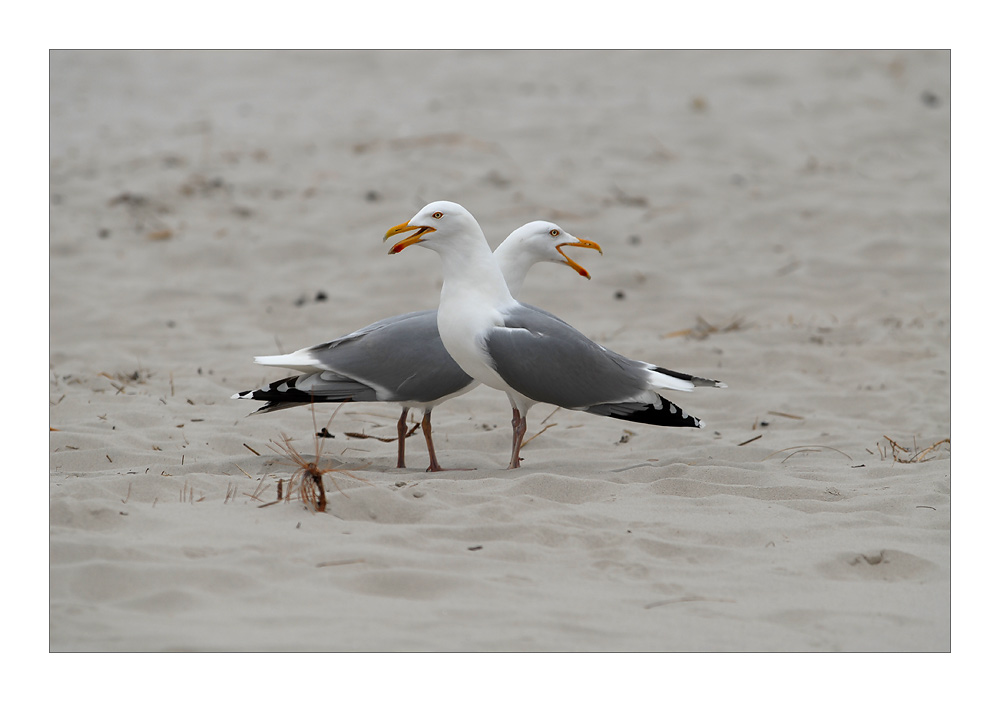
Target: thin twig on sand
[[800, 449]]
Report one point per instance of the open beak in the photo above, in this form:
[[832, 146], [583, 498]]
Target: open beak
[[582, 243], [408, 241]]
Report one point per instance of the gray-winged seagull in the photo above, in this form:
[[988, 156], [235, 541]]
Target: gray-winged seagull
[[401, 359], [526, 352]]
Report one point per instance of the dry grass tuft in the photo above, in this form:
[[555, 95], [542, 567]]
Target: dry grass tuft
[[704, 329], [901, 454], [306, 483]]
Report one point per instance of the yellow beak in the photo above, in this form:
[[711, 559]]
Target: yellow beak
[[582, 243], [408, 241]]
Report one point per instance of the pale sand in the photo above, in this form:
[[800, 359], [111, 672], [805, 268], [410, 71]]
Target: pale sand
[[800, 198]]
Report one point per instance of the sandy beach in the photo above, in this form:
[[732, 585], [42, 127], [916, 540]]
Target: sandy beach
[[779, 221]]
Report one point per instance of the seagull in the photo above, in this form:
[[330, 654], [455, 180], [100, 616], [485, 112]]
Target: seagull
[[401, 359], [523, 351]]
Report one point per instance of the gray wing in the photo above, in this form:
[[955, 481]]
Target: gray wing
[[399, 359], [402, 357], [547, 360]]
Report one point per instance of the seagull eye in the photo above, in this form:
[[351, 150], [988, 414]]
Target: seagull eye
[[554, 232], [438, 215]]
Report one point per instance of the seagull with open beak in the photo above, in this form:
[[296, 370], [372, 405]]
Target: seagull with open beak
[[401, 359], [523, 351]]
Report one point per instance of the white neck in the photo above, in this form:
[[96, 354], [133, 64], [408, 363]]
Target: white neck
[[473, 298], [470, 270], [514, 262]]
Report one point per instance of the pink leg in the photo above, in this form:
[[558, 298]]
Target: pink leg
[[401, 438], [434, 467], [425, 424], [520, 426]]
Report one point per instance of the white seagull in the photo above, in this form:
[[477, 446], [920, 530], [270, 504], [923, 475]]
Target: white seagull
[[524, 351], [401, 359]]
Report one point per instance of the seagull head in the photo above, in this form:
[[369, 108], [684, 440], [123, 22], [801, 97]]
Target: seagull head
[[437, 222], [544, 241]]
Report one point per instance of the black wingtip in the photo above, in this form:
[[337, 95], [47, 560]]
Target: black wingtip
[[282, 394], [667, 415]]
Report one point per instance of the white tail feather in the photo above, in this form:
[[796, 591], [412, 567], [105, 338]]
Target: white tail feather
[[301, 360], [661, 381]]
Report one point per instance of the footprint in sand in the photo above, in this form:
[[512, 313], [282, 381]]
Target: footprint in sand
[[877, 564]]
